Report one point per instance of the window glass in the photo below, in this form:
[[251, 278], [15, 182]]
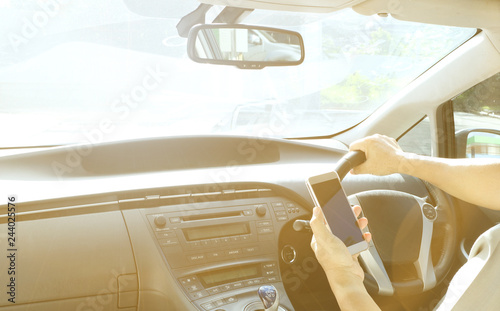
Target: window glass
[[418, 139], [479, 106], [88, 71]]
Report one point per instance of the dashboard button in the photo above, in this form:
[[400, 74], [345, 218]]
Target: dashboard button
[[198, 295], [237, 285], [216, 255], [230, 299], [188, 280], [264, 230], [272, 279], [196, 258], [195, 244], [280, 213], [175, 220], [258, 281], [251, 250], [290, 205], [270, 273], [164, 229], [226, 240], [226, 287], [214, 290], [165, 234], [193, 287], [218, 303], [281, 218], [215, 242], [278, 206], [233, 252], [264, 223], [169, 242], [205, 243], [208, 306], [248, 212], [245, 238], [249, 283], [270, 265]]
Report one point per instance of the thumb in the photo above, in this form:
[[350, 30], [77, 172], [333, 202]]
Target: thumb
[[318, 224]]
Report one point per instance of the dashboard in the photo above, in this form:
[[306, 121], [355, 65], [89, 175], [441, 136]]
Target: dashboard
[[182, 223]]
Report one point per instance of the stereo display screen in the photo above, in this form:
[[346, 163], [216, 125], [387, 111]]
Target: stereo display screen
[[214, 278], [216, 231]]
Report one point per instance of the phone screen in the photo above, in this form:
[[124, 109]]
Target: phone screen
[[338, 211]]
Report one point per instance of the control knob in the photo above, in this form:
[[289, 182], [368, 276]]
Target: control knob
[[261, 210], [160, 221]]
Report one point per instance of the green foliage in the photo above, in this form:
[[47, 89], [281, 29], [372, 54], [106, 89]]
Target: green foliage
[[356, 91], [408, 47], [484, 96]]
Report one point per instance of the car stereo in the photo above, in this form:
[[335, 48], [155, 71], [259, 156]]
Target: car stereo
[[201, 236], [220, 252]]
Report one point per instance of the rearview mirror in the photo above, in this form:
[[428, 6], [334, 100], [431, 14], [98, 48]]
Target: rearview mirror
[[478, 143], [244, 46]]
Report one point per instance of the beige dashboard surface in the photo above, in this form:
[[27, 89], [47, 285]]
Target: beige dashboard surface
[[69, 262]]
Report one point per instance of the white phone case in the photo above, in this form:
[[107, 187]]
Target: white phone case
[[355, 248]]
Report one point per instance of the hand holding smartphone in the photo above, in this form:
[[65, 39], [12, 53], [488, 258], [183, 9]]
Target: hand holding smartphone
[[327, 193]]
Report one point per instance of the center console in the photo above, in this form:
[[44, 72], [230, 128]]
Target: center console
[[220, 253]]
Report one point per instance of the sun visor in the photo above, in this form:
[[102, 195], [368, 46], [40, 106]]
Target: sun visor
[[482, 14], [312, 6]]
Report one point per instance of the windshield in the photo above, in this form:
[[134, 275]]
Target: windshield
[[91, 71]]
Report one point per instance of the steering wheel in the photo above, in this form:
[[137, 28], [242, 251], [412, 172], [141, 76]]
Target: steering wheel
[[399, 259]]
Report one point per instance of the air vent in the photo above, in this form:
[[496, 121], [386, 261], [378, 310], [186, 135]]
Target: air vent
[[140, 199], [197, 194]]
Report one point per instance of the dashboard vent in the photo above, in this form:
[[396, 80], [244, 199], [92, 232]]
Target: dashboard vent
[[197, 194], [139, 199]]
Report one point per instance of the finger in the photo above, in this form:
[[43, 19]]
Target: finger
[[360, 169], [313, 243], [367, 236], [357, 210], [362, 223], [357, 170], [357, 145]]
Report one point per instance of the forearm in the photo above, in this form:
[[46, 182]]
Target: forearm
[[472, 180], [351, 293]]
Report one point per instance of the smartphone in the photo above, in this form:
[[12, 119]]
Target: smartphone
[[327, 193]]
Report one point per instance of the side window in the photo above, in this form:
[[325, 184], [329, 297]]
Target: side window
[[479, 106], [417, 139]]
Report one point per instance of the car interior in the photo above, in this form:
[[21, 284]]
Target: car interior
[[147, 164]]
